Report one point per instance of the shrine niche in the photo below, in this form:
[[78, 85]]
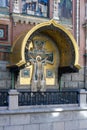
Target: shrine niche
[[43, 54]]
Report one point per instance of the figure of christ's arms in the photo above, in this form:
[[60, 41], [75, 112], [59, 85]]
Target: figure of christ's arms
[[49, 58], [44, 60], [31, 58]]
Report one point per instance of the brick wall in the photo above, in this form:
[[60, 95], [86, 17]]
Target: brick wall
[[5, 76], [73, 80], [19, 28]]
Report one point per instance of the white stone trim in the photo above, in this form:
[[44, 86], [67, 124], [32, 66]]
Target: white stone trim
[[13, 99]]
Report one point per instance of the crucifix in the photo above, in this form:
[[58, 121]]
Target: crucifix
[[39, 57]]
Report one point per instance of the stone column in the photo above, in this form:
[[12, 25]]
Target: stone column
[[77, 21], [13, 99], [16, 6], [83, 96], [55, 10]]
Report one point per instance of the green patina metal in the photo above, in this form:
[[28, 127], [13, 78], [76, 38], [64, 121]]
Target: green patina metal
[[13, 82]]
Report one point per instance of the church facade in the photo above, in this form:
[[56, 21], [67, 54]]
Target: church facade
[[19, 17], [43, 64]]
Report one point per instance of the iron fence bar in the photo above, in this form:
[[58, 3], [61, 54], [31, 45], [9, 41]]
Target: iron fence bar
[[3, 98], [48, 97], [41, 98]]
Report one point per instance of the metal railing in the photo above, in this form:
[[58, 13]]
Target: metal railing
[[26, 98], [48, 98], [3, 98]]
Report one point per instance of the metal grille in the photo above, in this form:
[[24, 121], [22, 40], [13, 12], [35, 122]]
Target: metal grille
[[46, 98], [3, 98]]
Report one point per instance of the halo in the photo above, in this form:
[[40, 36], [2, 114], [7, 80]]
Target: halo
[[38, 57]]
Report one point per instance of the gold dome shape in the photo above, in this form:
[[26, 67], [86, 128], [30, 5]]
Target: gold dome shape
[[64, 40]]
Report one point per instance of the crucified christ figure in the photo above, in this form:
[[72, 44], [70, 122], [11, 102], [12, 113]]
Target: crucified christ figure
[[38, 57]]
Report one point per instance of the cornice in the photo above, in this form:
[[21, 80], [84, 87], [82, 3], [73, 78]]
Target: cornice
[[28, 19]]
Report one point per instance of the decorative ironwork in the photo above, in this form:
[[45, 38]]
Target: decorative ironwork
[[3, 98], [47, 98]]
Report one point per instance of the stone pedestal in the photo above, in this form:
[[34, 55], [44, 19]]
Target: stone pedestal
[[13, 99], [83, 98]]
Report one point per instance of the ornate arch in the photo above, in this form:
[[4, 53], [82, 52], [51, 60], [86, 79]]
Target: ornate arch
[[64, 40]]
